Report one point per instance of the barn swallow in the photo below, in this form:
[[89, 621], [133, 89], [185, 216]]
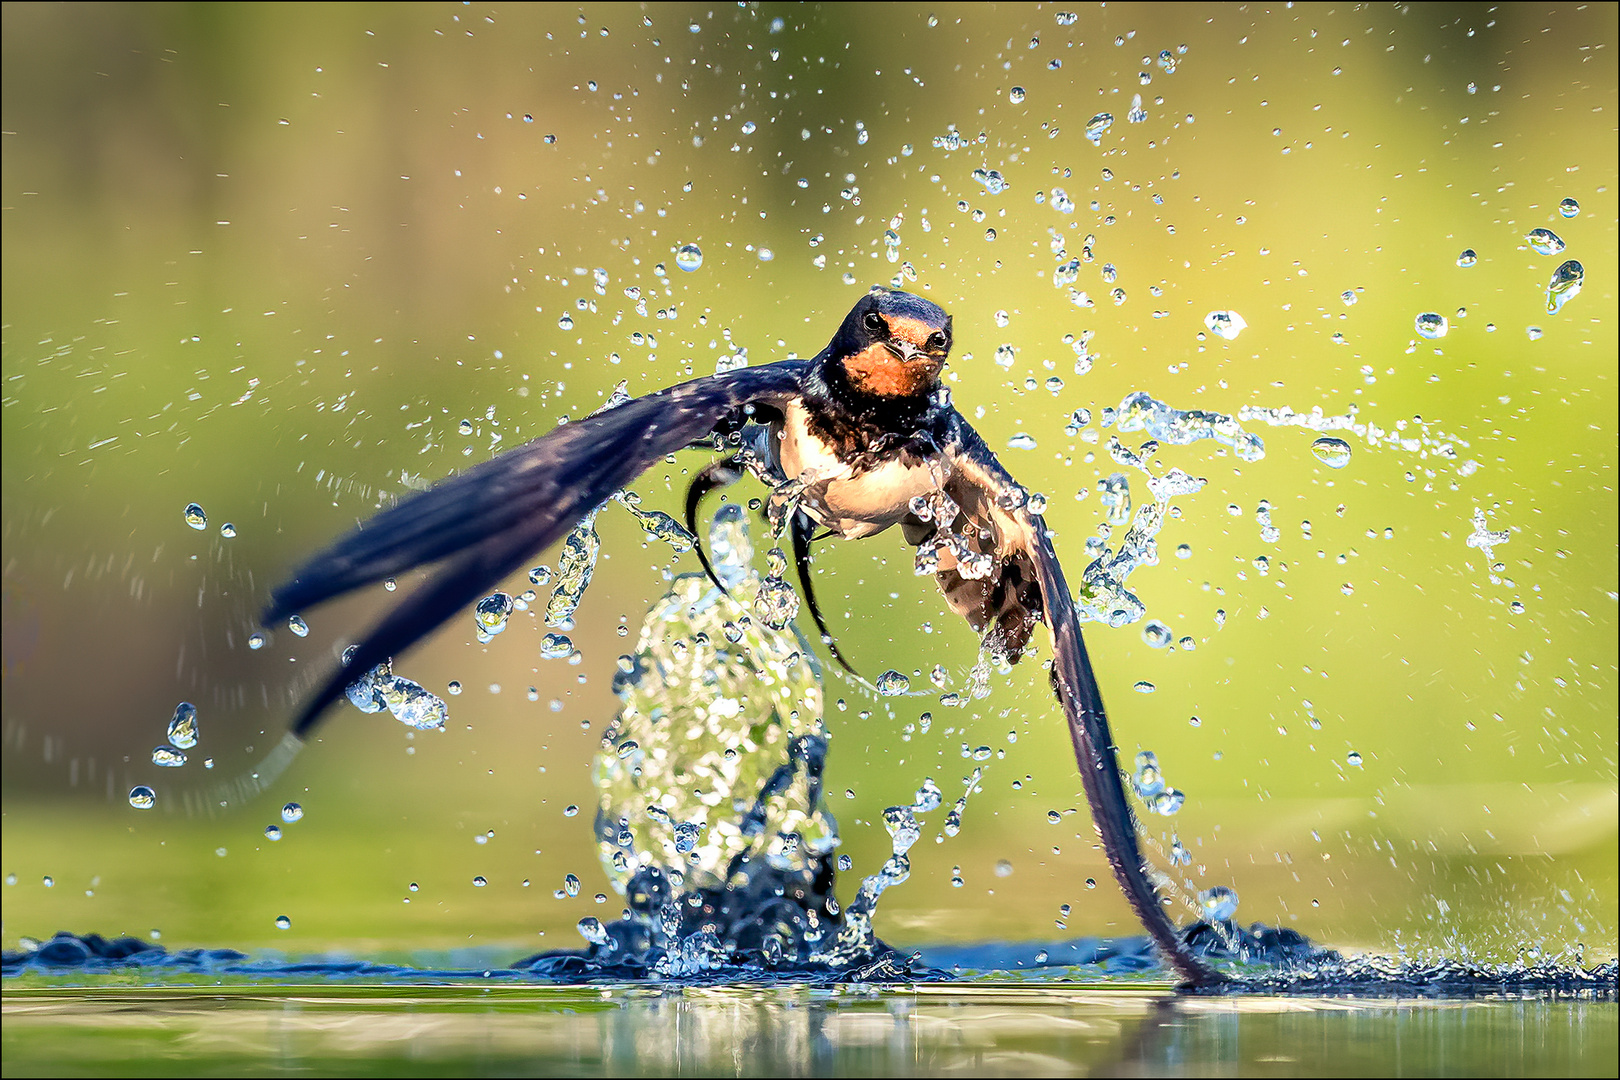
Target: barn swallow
[[859, 438]]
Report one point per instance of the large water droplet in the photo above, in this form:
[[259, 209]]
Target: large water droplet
[[892, 683], [1218, 904], [1098, 126], [1334, 453], [1016, 96], [183, 726], [901, 822], [1225, 324], [1569, 208], [1565, 285], [1157, 634], [1147, 780], [292, 812], [1431, 325], [492, 613], [283, 923], [298, 626], [689, 257], [991, 179], [168, 757], [1544, 242], [1168, 802], [142, 797], [575, 566], [1468, 258], [195, 517]]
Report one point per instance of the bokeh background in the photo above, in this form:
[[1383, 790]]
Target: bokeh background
[[270, 259]]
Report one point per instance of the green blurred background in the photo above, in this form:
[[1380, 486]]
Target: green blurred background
[[268, 259]]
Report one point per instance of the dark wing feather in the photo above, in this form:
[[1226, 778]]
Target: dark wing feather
[[994, 503], [492, 518]]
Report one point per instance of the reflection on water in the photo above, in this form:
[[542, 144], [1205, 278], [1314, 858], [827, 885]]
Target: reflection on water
[[1001, 1030]]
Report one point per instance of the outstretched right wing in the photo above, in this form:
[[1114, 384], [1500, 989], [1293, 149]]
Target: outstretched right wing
[[1026, 583], [494, 517]]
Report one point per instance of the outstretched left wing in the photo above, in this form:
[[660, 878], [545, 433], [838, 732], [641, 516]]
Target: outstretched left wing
[[491, 519], [1027, 583]]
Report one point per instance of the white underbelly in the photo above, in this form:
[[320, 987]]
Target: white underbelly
[[851, 503]]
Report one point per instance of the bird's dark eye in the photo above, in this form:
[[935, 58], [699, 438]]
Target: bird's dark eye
[[937, 341], [874, 322]]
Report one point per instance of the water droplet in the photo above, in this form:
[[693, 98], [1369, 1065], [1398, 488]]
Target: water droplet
[[689, 257], [571, 885], [283, 923], [1565, 285], [183, 726], [1349, 297], [492, 613], [1168, 802], [272, 832], [991, 180], [1431, 325], [591, 929], [292, 812], [479, 881], [1144, 687], [1544, 242], [1004, 868], [195, 517], [891, 683], [1569, 208], [575, 566], [565, 322], [142, 797], [1354, 759], [1225, 324], [228, 531], [570, 811], [1016, 96], [1098, 126], [298, 626], [776, 603], [1334, 453], [1467, 258], [1218, 904], [1023, 440], [168, 757], [258, 639], [1533, 333], [1157, 634]]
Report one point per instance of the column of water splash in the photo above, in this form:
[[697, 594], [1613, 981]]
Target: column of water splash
[[710, 775]]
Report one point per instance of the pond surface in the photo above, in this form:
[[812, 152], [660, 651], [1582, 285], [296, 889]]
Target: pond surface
[[995, 1030]]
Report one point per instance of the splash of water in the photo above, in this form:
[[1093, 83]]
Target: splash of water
[[710, 819]]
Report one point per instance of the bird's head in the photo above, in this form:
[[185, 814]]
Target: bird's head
[[892, 344]]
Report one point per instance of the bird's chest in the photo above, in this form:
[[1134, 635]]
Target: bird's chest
[[854, 487]]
